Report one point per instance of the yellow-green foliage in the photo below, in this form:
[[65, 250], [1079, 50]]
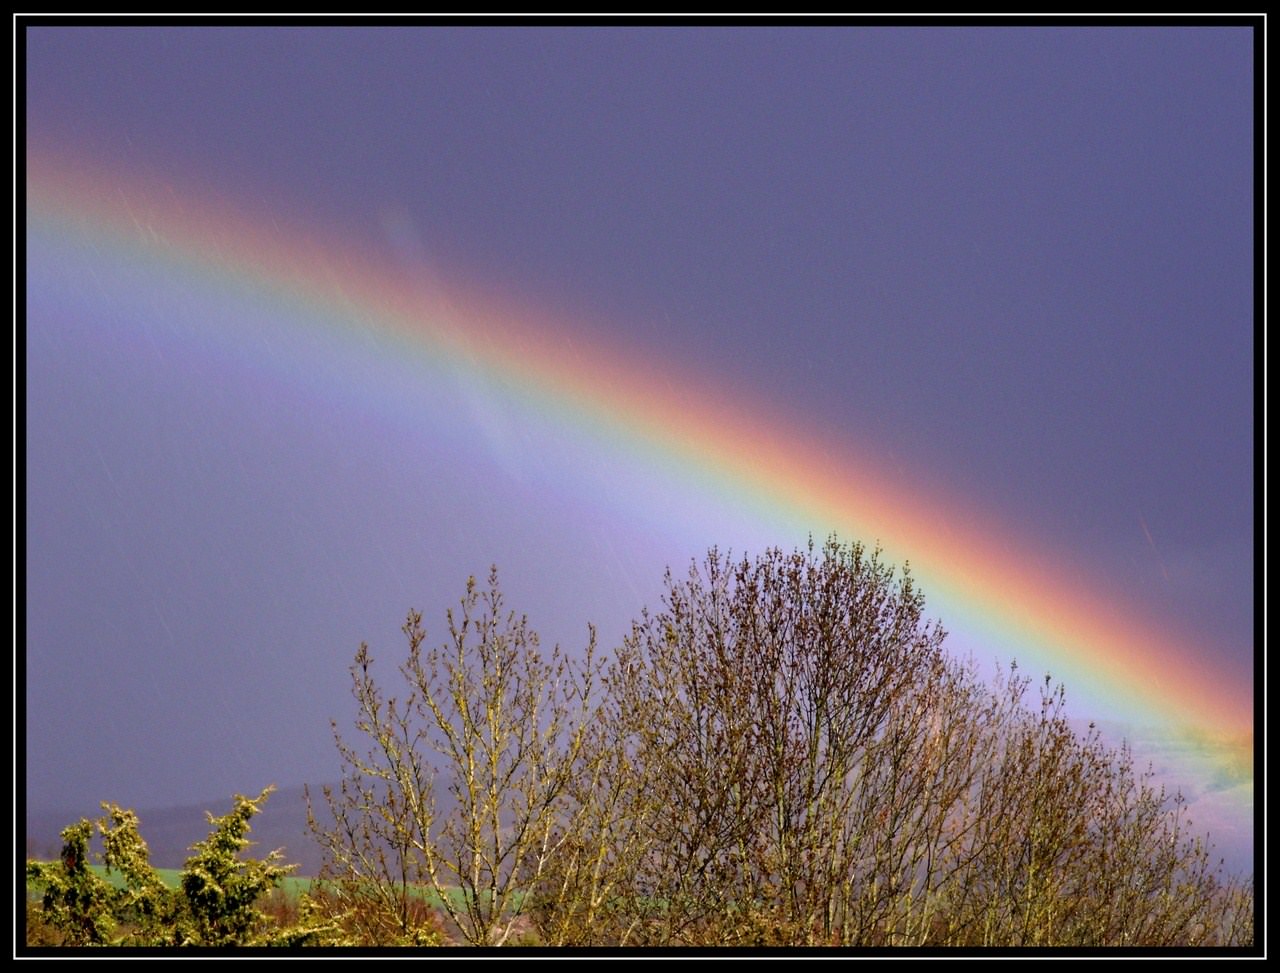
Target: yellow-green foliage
[[214, 905]]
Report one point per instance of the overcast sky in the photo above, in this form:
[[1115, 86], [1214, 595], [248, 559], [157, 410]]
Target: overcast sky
[[1014, 266]]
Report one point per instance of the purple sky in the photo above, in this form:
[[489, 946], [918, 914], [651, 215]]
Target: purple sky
[[1014, 264]]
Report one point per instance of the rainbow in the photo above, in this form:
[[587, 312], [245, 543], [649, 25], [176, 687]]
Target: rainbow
[[977, 576]]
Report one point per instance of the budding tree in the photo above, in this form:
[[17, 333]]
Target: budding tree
[[488, 723]]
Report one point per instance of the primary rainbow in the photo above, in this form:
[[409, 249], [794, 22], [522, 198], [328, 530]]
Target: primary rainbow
[[976, 575]]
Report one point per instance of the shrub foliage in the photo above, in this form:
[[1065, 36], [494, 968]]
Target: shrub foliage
[[214, 905]]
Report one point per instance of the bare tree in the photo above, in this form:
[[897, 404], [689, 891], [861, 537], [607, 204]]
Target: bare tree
[[788, 756], [493, 723], [751, 716], [782, 753]]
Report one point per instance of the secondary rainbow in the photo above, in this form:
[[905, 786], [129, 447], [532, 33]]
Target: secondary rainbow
[[969, 567]]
